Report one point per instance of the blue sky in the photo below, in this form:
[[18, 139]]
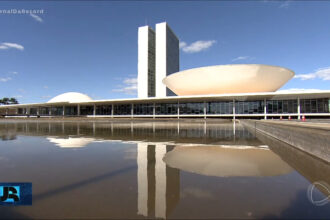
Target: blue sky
[[91, 47]]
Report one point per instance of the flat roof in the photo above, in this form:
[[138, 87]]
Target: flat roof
[[198, 98]]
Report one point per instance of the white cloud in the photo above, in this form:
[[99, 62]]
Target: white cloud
[[6, 79], [242, 58], [14, 73], [196, 46], [129, 86], [130, 81], [45, 97], [6, 45], [305, 76], [18, 96], [299, 90], [285, 4], [21, 90], [36, 17], [322, 73], [182, 44]]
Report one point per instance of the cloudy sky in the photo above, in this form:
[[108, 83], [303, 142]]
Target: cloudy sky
[[91, 47]]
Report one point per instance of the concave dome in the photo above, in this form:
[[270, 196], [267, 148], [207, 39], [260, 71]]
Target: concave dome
[[71, 97]]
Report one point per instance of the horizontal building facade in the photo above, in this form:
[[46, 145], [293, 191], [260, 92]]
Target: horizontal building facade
[[257, 105]]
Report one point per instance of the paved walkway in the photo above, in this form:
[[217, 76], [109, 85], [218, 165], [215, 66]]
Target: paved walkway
[[317, 124]]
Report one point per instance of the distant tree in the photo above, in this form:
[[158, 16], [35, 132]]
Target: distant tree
[[8, 101], [5, 101], [13, 101]]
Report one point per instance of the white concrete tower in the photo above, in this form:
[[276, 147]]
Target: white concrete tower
[[146, 62], [167, 57]]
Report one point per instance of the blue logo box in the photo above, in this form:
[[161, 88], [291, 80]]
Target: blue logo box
[[13, 194]]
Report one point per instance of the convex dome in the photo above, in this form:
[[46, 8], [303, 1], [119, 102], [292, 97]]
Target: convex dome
[[71, 97]]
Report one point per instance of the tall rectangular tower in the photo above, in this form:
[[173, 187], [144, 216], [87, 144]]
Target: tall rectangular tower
[[167, 57], [146, 62]]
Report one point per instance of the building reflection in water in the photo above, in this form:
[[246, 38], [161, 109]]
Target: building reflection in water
[[227, 161], [163, 149], [158, 184], [181, 132], [71, 142]]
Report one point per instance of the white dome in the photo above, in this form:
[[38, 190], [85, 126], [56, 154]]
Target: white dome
[[71, 142], [71, 97]]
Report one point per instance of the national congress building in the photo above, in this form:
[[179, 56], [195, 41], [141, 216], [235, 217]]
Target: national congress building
[[222, 91]]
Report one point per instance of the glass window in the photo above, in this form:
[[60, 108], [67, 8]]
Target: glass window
[[143, 109], [191, 108], [103, 109], [21, 111], [55, 110], [71, 110], [249, 107], [219, 107], [314, 105], [281, 106], [166, 108], [285, 106], [124, 109], [33, 111], [86, 109], [44, 111]]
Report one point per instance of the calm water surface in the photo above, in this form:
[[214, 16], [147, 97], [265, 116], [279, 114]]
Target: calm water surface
[[157, 170]]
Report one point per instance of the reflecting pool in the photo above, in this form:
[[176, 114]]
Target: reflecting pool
[[145, 169]]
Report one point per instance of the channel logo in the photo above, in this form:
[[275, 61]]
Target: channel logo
[[13, 194], [312, 193]]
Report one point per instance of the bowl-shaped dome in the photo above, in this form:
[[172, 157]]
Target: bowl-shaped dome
[[226, 161], [221, 79], [71, 97]]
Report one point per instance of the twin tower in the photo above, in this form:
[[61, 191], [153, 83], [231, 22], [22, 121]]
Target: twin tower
[[158, 57]]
